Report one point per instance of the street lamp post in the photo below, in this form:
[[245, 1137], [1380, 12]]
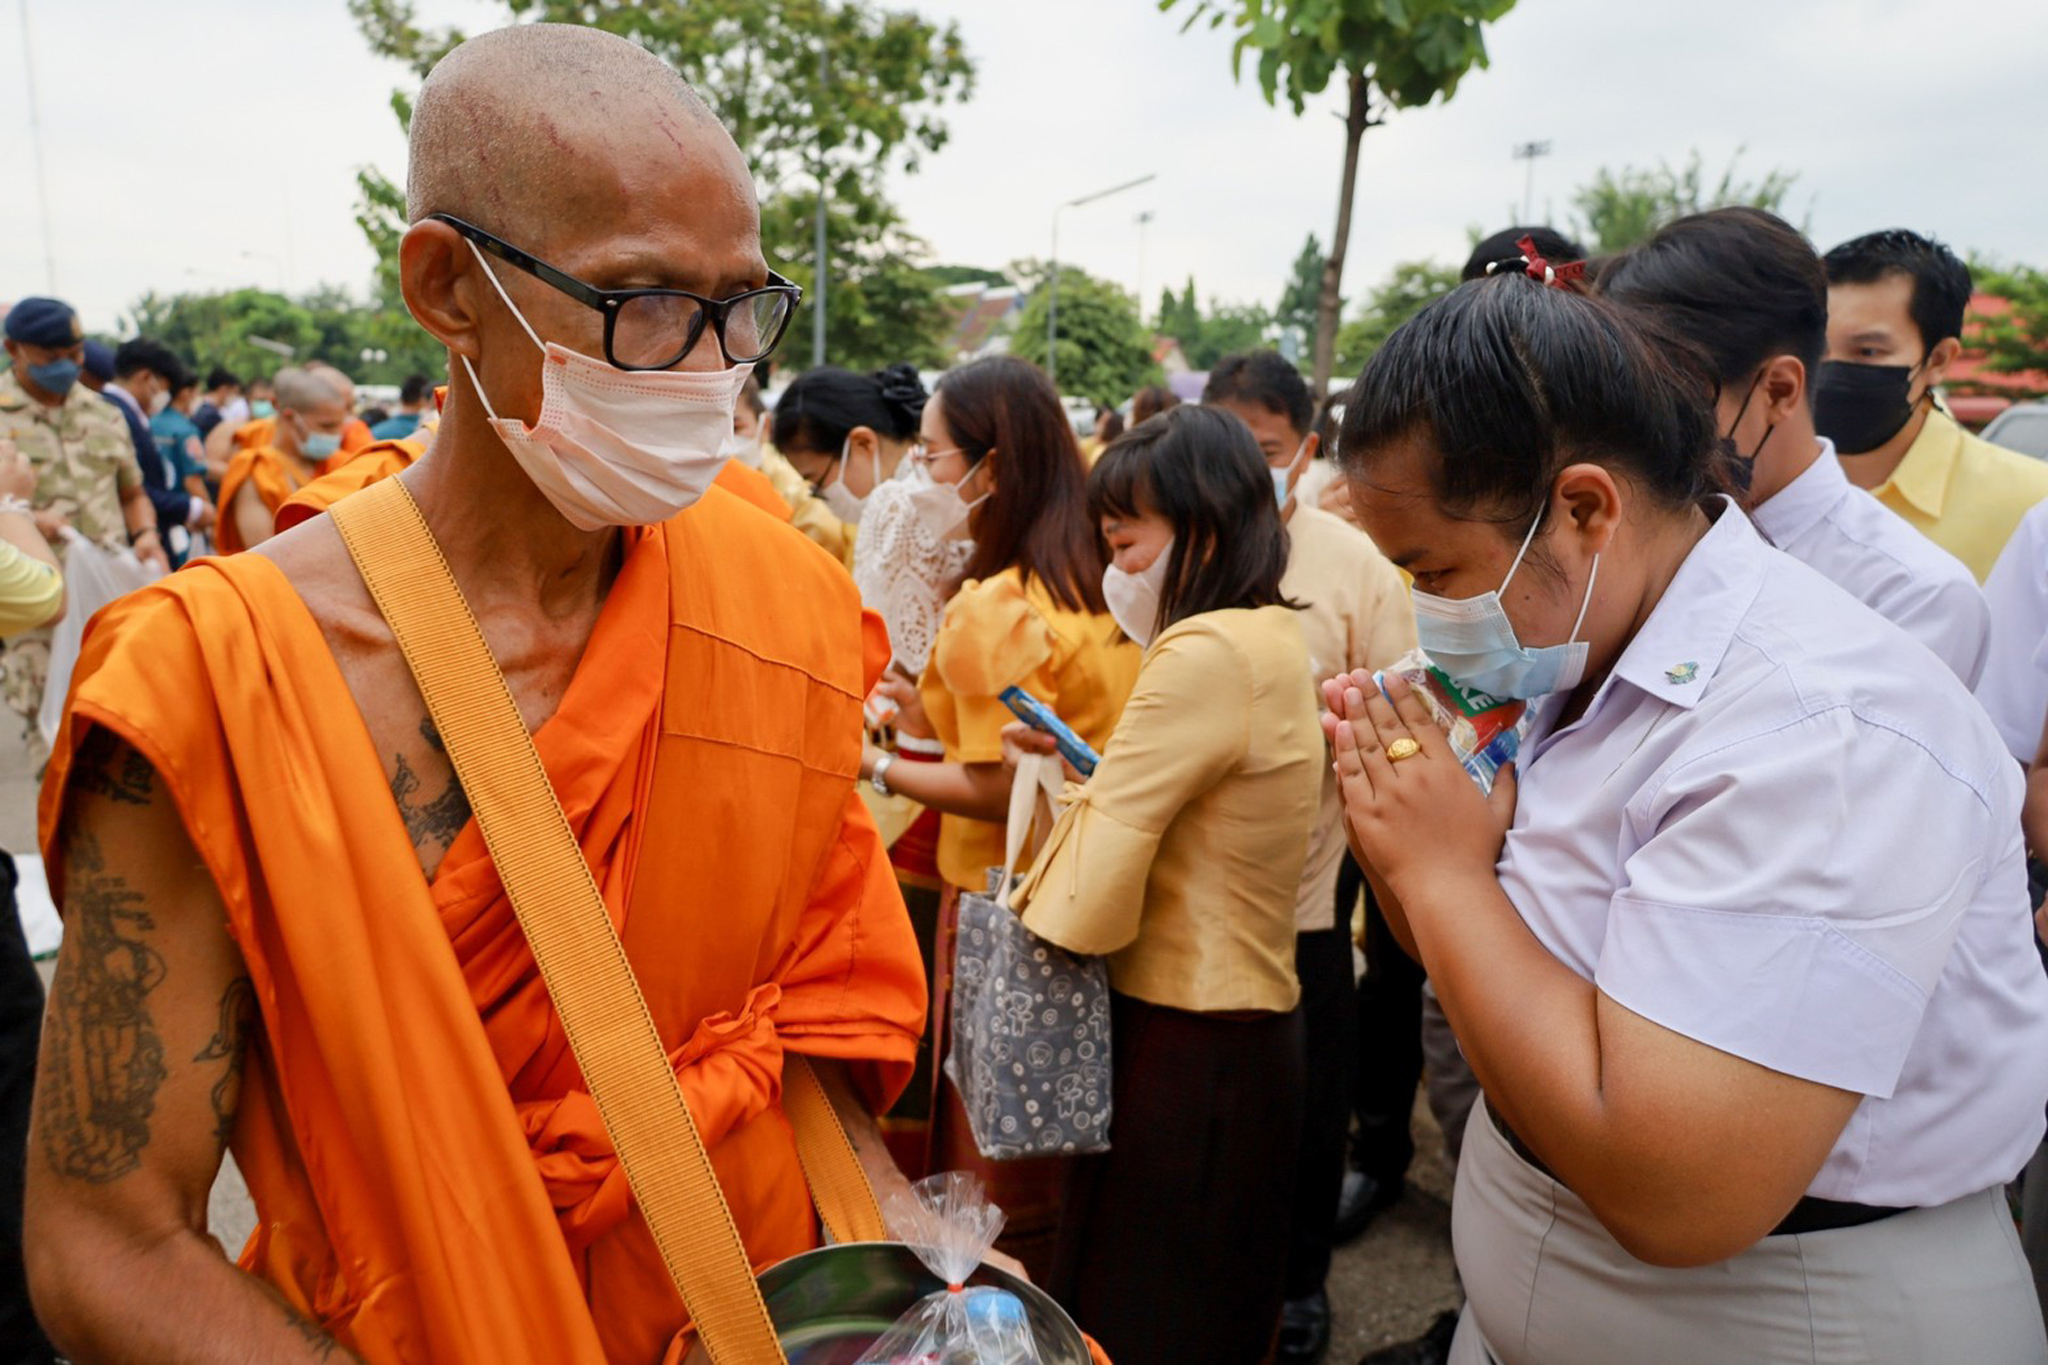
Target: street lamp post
[[1529, 151], [1052, 304]]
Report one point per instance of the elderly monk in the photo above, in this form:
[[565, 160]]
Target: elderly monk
[[285, 936], [307, 432]]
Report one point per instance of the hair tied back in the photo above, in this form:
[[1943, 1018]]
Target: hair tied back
[[1568, 277]]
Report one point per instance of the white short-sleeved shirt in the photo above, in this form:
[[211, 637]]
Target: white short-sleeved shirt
[[2014, 687], [1781, 832], [1824, 521]]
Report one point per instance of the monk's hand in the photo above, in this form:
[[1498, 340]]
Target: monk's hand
[[869, 756], [1336, 500], [910, 716], [1417, 820]]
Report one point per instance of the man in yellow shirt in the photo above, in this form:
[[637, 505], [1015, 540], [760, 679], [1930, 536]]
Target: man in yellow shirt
[[1895, 321]]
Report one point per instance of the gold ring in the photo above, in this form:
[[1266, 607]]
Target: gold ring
[[1402, 748]]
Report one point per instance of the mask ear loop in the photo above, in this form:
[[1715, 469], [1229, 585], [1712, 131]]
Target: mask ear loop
[[1527, 541], [517, 316], [1592, 577]]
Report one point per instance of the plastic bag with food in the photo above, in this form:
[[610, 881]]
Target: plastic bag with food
[[1485, 732], [947, 1220]]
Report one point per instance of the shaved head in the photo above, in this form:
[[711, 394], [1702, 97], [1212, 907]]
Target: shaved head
[[525, 131], [305, 390]]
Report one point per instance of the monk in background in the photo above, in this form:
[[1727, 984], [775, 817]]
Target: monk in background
[[285, 936], [304, 435]]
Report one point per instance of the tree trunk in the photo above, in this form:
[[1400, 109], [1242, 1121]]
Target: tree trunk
[[1330, 302]]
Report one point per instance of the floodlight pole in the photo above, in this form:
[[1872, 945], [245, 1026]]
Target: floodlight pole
[[1052, 305], [1529, 151]]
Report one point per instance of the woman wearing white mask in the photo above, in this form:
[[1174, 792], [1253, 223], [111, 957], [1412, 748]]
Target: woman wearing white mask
[[1029, 613], [1744, 969], [847, 434], [1181, 859]]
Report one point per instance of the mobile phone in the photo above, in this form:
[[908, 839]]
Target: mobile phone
[[1039, 716]]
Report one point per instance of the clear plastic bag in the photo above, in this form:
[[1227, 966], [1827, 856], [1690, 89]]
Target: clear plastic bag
[[1485, 732], [947, 1220]]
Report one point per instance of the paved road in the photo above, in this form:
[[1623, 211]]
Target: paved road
[[1388, 1286]]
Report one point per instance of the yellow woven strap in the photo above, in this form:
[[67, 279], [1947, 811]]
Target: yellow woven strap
[[564, 918], [839, 1187]]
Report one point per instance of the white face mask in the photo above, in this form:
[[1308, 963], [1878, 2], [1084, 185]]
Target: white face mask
[[159, 403], [1133, 598], [745, 449], [939, 507], [616, 447], [1283, 479], [844, 502]]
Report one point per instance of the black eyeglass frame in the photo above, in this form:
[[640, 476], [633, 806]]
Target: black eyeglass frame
[[611, 302]]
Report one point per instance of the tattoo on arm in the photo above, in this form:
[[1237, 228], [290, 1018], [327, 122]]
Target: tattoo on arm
[[318, 1342], [133, 785], [108, 1055], [430, 822], [237, 1005]]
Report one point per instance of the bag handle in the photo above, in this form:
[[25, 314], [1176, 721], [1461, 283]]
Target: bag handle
[[1036, 774], [581, 960]]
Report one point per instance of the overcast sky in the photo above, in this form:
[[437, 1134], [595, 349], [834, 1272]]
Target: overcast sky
[[208, 144]]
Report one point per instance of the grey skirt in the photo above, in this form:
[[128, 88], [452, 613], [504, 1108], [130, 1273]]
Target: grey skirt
[[1547, 1285]]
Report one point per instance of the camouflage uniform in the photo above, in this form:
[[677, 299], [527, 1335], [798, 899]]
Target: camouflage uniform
[[84, 461]]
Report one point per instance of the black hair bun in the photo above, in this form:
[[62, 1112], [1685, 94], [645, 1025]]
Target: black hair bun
[[903, 394]]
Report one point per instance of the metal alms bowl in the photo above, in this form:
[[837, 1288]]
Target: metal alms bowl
[[831, 1304]]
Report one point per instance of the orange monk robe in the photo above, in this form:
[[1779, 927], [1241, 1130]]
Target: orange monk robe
[[275, 477], [377, 462], [752, 485], [430, 1180], [355, 438], [386, 458]]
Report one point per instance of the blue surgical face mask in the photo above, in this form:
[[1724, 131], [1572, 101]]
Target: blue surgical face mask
[[54, 377], [263, 407], [1472, 640], [318, 445], [1283, 478]]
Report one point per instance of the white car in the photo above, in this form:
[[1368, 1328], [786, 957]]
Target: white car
[[2022, 427]]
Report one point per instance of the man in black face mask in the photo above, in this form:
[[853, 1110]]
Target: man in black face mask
[[1895, 319]]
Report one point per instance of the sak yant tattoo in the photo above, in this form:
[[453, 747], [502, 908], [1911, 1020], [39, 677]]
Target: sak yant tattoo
[[133, 785], [432, 822], [237, 1008], [106, 1055]]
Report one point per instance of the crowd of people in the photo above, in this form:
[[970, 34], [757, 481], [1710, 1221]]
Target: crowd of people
[[1727, 990]]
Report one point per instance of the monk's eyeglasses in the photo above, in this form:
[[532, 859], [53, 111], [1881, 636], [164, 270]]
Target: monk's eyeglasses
[[653, 329]]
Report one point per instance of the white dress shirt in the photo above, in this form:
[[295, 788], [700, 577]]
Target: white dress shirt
[[1781, 831], [1823, 520], [2014, 688]]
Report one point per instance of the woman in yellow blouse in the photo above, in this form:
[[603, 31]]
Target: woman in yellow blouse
[[1180, 861], [1028, 613]]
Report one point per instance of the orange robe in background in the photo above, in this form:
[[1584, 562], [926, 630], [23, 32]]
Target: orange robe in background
[[370, 465], [275, 476], [431, 1182], [355, 438]]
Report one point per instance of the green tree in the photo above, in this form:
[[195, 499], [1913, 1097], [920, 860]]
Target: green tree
[[1297, 307], [1408, 289], [883, 307], [247, 330], [945, 276], [1226, 330], [873, 105], [1394, 54], [1180, 316], [1621, 208], [1105, 349], [2015, 341]]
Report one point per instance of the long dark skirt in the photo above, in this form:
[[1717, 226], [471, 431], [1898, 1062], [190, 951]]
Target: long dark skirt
[[1174, 1241]]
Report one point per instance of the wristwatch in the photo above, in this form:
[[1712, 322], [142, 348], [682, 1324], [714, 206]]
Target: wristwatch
[[878, 777]]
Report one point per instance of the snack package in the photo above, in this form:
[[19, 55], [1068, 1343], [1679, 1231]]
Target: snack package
[[947, 1220], [1485, 732]]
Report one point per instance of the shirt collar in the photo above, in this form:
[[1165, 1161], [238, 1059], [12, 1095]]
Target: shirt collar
[[123, 397], [1795, 509], [1678, 650], [1922, 477]]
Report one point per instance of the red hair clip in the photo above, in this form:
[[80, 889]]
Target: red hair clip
[[1565, 276]]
